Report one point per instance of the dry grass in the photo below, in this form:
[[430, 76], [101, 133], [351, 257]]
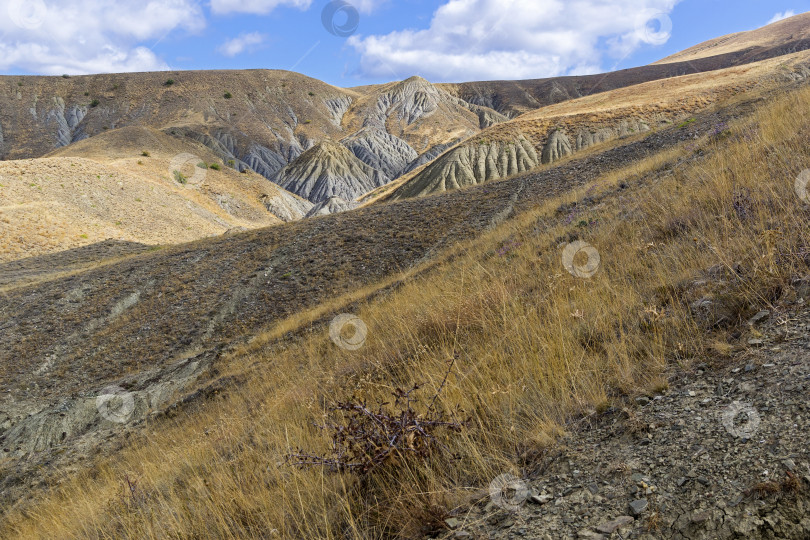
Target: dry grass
[[95, 190], [785, 31], [533, 345]]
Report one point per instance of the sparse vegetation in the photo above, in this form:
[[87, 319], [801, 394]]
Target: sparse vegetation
[[180, 178], [686, 123], [202, 165], [532, 347]]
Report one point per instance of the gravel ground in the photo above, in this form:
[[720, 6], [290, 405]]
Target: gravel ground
[[723, 453]]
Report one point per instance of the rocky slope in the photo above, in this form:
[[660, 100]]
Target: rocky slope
[[720, 454], [420, 113], [553, 132], [144, 323], [109, 319], [472, 164], [263, 121], [259, 120], [327, 170]]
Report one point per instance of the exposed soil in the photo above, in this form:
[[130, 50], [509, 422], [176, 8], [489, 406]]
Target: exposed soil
[[722, 453], [67, 338]]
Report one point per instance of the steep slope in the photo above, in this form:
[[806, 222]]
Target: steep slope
[[261, 119], [256, 120], [418, 112], [548, 134], [379, 149], [467, 165], [106, 189], [666, 226], [332, 205], [326, 170]]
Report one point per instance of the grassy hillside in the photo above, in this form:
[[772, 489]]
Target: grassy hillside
[[122, 185], [692, 240]]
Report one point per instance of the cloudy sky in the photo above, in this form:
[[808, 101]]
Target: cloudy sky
[[354, 42]]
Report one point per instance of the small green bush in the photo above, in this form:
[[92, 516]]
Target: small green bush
[[94, 103], [231, 162], [227, 95], [202, 165], [684, 124], [145, 153], [215, 166], [180, 178], [312, 93], [169, 82]]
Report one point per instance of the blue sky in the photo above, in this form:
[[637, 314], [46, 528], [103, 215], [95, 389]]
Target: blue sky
[[370, 41]]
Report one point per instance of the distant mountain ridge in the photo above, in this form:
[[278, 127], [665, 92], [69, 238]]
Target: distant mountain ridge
[[326, 148]]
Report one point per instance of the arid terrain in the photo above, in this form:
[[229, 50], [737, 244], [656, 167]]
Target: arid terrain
[[565, 299]]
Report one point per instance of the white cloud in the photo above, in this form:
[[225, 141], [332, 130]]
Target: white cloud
[[366, 6], [781, 16], [515, 39], [90, 36], [263, 7], [237, 45], [259, 7]]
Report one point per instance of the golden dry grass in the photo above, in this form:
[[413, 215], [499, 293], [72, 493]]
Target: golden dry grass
[[666, 100], [103, 188], [785, 31], [534, 346]]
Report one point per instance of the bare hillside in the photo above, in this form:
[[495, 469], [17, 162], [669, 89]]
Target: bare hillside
[[554, 132], [107, 189]]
